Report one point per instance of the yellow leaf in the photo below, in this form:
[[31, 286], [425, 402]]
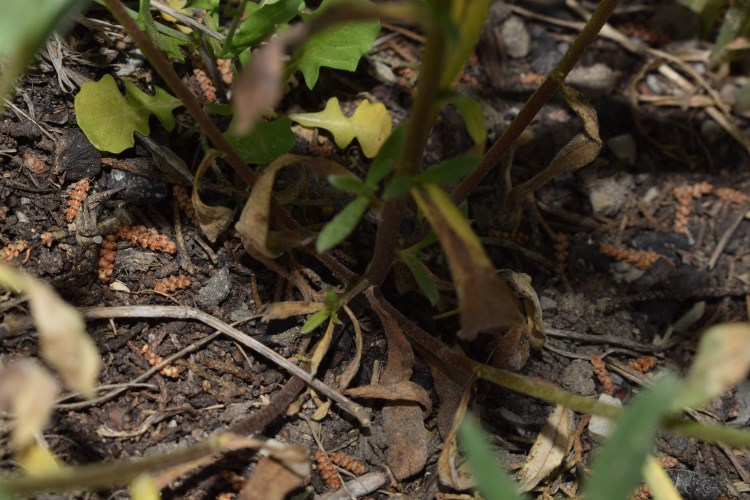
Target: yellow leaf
[[144, 488], [370, 124], [65, 345], [38, 461], [28, 391]]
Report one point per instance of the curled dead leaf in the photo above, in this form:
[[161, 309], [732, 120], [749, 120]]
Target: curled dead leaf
[[254, 224], [722, 361], [213, 220], [579, 152]]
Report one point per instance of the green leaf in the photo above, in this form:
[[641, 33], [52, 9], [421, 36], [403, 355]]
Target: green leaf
[[493, 482], [161, 104], [166, 43], [385, 162], [350, 185], [342, 225], [425, 283], [266, 142], [448, 171], [262, 21], [24, 27], [109, 119], [315, 320], [617, 467], [472, 114], [370, 124], [339, 47]]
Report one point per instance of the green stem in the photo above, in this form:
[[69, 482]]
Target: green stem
[[167, 72], [545, 91], [211, 131], [422, 117], [106, 475]]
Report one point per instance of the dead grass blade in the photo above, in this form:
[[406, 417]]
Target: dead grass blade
[[549, 449]]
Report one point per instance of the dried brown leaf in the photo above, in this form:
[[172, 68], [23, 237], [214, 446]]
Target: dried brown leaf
[[271, 480], [404, 390], [402, 421], [253, 226], [353, 367], [289, 309], [486, 303], [452, 469], [549, 449], [64, 343]]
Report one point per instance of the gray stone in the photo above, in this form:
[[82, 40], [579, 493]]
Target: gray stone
[[609, 194], [516, 37], [578, 377], [215, 290], [593, 81]]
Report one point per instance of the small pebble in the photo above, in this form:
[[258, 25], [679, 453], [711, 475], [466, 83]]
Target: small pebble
[[215, 291], [578, 377], [600, 427], [516, 37]]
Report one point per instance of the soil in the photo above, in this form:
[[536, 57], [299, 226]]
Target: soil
[[593, 304]]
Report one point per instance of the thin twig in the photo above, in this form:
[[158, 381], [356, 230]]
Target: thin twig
[[545, 91], [180, 312], [727, 236], [186, 20]]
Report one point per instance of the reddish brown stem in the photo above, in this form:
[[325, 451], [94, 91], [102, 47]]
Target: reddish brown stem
[[545, 91]]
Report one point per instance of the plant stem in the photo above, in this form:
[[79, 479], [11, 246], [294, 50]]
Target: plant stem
[[167, 72], [211, 131], [422, 117], [545, 91], [105, 475]]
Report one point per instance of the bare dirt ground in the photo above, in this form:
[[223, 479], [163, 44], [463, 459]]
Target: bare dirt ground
[[670, 181]]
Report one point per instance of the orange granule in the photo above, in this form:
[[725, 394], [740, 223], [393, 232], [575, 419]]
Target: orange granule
[[172, 284], [77, 196]]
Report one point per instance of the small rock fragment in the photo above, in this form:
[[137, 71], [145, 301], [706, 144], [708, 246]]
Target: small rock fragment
[[693, 486], [609, 194], [600, 427], [593, 81], [516, 37], [578, 377], [215, 290]]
